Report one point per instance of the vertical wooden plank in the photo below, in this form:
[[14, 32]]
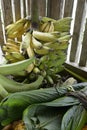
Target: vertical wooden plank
[[42, 7], [77, 27], [53, 8], [1, 32], [83, 57], [68, 8], [17, 9], [28, 7], [7, 12]]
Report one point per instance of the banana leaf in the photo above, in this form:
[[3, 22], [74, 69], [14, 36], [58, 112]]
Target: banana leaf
[[38, 117], [74, 118], [68, 118], [45, 120], [17, 102], [79, 119]]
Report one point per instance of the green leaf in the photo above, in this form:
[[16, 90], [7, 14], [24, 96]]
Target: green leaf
[[39, 117], [62, 102], [80, 118], [68, 118]]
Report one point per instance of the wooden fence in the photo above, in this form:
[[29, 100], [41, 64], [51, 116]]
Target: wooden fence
[[12, 10]]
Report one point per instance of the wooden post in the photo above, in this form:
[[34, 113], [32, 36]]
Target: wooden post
[[35, 14]]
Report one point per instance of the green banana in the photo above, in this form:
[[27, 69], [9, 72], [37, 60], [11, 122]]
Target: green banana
[[57, 45], [64, 38], [13, 86], [62, 25], [15, 67], [43, 51]]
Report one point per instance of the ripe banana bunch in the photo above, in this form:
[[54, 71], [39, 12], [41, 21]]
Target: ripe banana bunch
[[11, 51], [18, 28]]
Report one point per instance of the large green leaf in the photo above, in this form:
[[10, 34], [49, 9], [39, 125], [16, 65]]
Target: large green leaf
[[68, 118], [80, 118], [37, 117]]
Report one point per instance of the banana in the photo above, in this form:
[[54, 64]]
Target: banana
[[9, 49], [17, 55], [10, 58], [12, 45], [18, 28], [65, 38], [47, 19], [51, 29], [13, 86], [36, 44], [44, 36], [62, 25], [27, 43], [43, 26], [43, 51], [15, 67], [36, 70], [30, 68], [47, 27], [30, 52], [57, 45]]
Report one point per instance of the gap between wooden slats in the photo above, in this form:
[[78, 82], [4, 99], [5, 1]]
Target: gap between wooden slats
[[55, 8], [77, 27], [83, 56]]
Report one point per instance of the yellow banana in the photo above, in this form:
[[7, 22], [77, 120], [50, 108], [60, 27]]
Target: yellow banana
[[51, 29], [17, 55], [36, 44], [30, 68], [12, 45], [43, 26], [27, 44], [9, 49], [47, 27], [44, 36], [18, 28]]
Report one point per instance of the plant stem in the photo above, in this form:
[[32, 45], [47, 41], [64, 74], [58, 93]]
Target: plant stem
[[35, 14]]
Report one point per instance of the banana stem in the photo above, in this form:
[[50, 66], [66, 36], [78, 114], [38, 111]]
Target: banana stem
[[35, 14]]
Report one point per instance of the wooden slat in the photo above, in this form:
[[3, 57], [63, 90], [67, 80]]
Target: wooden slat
[[77, 27], [7, 12], [53, 8], [24, 8], [83, 57], [42, 7], [1, 33], [68, 8], [78, 72], [27, 7], [17, 9]]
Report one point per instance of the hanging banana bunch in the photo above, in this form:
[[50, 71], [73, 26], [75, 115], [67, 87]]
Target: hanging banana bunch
[[48, 44]]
